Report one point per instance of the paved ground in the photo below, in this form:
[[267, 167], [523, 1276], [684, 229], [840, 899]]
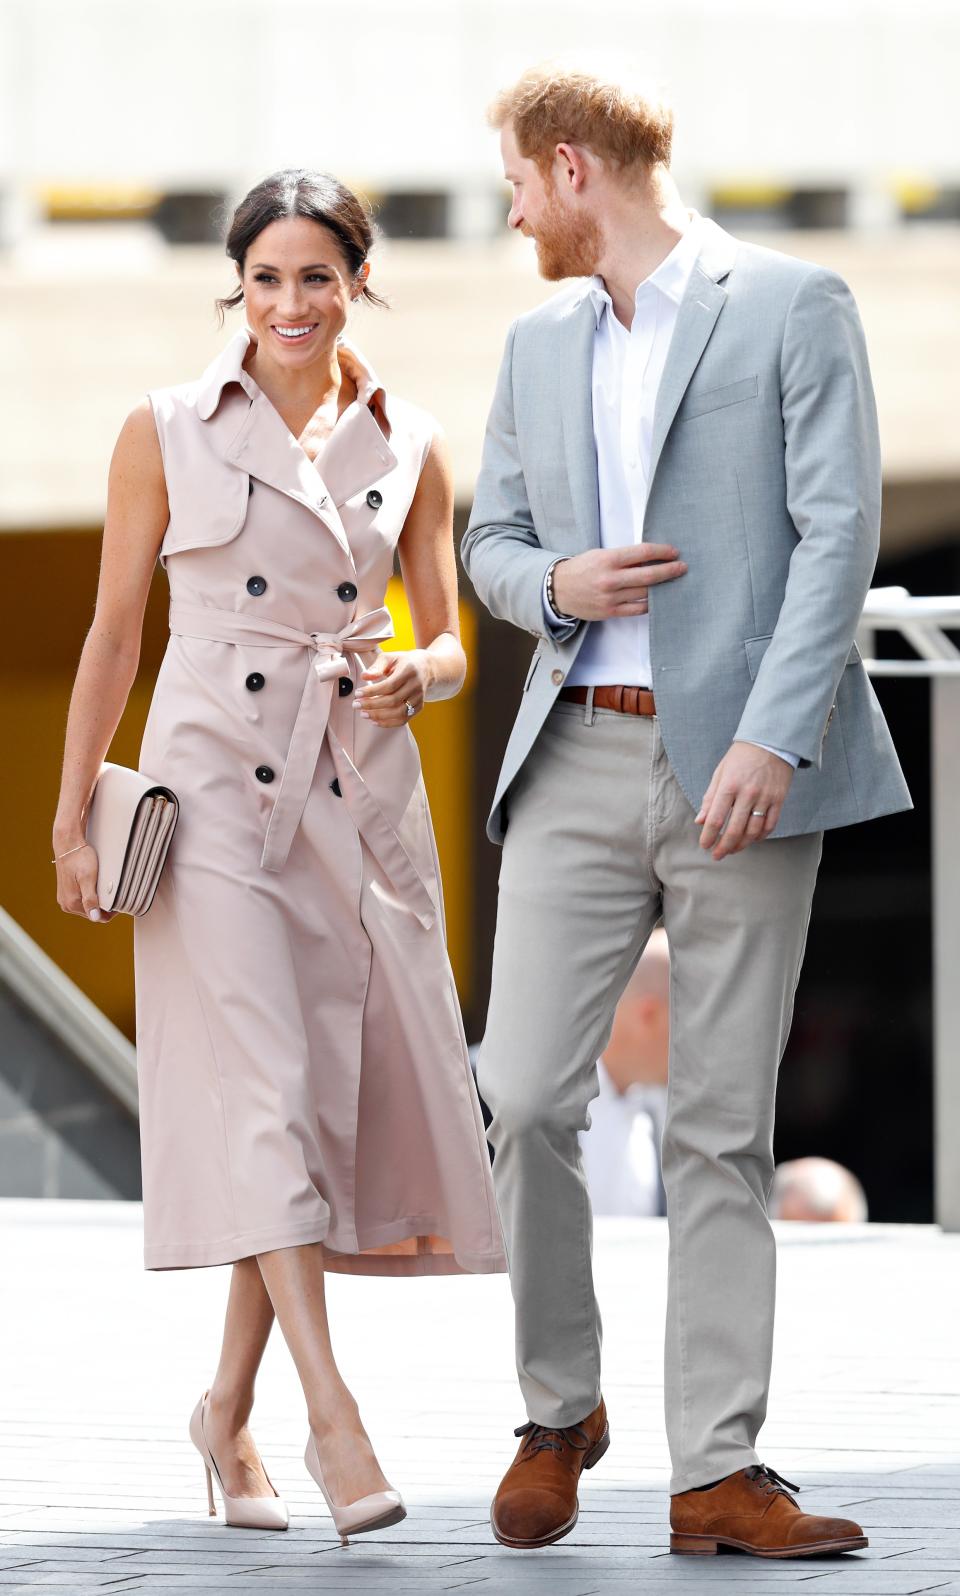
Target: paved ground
[[101, 1363]]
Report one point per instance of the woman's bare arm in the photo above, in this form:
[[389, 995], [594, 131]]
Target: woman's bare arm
[[136, 519], [437, 666]]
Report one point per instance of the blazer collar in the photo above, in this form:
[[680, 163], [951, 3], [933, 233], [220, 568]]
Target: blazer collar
[[716, 252]]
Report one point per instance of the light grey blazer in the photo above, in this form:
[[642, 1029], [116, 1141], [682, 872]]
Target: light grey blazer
[[765, 475]]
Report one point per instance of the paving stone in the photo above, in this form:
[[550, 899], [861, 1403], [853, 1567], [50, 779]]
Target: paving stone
[[100, 1488]]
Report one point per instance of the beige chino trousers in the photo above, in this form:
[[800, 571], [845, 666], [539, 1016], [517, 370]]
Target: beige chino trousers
[[601, 843]]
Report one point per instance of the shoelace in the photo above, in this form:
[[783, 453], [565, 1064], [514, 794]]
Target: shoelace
[[542, 1439], [772, 1481]]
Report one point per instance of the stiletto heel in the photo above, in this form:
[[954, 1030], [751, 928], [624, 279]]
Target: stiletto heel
[[240, 1512], [377, 1511]]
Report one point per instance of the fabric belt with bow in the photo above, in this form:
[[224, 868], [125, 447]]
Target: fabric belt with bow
[[330, 662]]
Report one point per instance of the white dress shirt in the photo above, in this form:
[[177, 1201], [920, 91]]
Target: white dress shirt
[[628, 366]]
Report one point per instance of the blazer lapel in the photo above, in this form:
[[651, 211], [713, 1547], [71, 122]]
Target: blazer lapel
[[579, 444], [696, 318]]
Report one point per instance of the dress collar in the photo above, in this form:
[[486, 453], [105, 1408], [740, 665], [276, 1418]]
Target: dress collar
[[228, 368]]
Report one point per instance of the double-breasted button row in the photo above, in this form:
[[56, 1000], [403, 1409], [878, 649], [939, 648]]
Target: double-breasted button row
[[255, 681], [256, 585], [264, 773], [374, 498], [347, 591], [345, 685]]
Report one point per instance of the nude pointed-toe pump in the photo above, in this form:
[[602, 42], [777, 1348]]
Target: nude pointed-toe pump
[[240, 1512], [373, 1512]]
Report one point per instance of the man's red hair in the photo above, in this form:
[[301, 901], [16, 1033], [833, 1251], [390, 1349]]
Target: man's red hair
[[552, 104]]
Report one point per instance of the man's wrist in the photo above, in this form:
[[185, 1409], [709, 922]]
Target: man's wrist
[[792, 760]]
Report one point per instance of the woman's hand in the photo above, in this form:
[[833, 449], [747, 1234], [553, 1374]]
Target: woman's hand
[[395, 681], [77, 885]]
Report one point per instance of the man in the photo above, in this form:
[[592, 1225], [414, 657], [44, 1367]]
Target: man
[[680, 499], [817, 1189], [621, 1148]]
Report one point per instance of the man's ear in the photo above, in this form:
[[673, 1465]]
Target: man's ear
[[573, 164]]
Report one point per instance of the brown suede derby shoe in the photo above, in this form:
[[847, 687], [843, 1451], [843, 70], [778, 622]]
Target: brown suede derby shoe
[[537, 1499], [754, 1512]]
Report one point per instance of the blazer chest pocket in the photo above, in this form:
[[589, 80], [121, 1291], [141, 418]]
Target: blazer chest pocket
[[732, 393]]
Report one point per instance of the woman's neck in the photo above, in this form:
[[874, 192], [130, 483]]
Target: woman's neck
[[316, 395], [299, 394]]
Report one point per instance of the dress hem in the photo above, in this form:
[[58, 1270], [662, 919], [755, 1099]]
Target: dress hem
[[231, 1249]]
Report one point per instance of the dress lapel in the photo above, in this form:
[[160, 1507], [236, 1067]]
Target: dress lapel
[[266, 449], [355, 455]]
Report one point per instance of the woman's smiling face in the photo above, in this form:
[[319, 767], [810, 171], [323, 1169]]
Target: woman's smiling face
[[297, 290]]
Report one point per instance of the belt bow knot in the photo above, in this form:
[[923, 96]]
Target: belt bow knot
[[331, 652]]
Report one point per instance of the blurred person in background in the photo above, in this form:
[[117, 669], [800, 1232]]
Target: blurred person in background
[[306, 1102], [621, 1148], [817, 1189], [679, 499]]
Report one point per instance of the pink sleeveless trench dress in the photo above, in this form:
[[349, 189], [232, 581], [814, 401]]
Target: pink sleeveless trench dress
[[302, 1066]]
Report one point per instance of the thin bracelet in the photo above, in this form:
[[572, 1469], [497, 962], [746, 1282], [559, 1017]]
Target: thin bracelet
[[69, 851]]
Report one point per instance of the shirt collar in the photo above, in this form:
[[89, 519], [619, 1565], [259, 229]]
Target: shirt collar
[[228, 367], [670, 277]]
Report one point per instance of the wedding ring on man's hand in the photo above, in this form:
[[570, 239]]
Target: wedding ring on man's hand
[[758, 814]]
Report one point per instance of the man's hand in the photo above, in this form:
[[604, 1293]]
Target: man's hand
[[604, 583], [747, 792]]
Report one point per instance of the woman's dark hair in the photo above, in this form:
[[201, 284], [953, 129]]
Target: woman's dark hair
[[318, 197]]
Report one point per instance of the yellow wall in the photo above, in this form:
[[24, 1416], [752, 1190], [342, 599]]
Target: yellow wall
[[49, 584]]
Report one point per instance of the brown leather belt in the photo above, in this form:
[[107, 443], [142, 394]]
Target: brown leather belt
[[626, 700]]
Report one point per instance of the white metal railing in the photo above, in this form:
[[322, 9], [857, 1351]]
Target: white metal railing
[[87, 1034], [924, 623]]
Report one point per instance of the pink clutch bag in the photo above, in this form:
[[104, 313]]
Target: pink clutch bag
[[130, 824]]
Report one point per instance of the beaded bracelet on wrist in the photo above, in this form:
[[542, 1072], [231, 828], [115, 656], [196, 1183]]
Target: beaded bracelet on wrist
[[561, 616]]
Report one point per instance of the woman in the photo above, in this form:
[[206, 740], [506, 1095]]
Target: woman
[[306, 1101]]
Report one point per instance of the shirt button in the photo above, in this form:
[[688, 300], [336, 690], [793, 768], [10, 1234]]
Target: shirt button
[[374, 498], [347, 592], [264, 773], [256, 585], [556, 677], [255, 681], [345, 685]]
